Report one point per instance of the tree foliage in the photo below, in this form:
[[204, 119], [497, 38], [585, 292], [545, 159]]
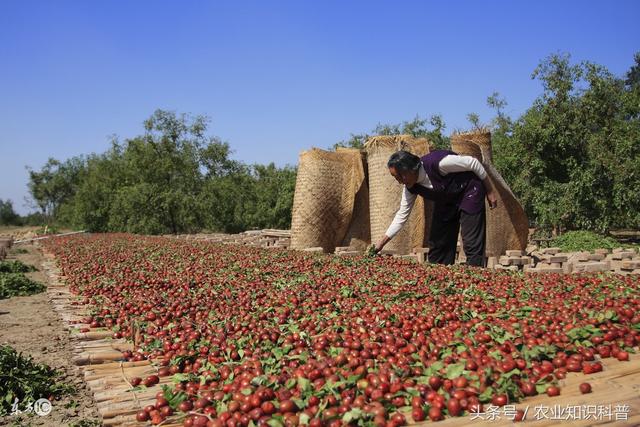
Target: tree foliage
[[7, 215], [172, 179], [431, 128], [573, 158], [55, 183]]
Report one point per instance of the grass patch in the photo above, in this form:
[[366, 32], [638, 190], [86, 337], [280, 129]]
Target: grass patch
[[26, 380], [15, 267], [17, 284], [584, 241]]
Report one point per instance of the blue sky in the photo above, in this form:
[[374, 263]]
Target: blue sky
[[276, 77]]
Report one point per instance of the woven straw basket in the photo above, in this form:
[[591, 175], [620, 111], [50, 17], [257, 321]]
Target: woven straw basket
[[507, 224], [329, 187], [359, 232], [385, 193]]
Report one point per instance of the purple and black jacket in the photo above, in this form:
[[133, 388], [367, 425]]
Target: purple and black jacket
[[462, 190]]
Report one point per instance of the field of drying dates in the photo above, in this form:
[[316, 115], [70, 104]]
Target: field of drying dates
[[253, 336]]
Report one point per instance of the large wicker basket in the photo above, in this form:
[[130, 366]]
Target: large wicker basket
[[385, 193], [329, 187], [359, 232]]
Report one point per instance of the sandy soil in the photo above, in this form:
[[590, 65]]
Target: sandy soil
[[30, 325]]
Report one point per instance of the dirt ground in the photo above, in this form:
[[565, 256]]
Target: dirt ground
[[30, 325]]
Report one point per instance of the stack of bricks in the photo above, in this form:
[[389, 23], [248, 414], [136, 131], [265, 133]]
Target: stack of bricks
[[418, 255], [586, 262], [267, 238], [546, 260], [550, 260], [620, 260], [347, 250], [625, 261], [421, 254], [630, 267], [512, 260]]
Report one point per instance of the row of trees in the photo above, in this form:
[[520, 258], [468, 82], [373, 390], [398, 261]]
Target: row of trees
[[573, 159], [8, 216], [172, 179]]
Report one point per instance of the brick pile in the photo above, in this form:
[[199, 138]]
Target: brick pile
[[267, 238], [347, 250], [512, 260], [547, 260], [620, 260], [551, 260]]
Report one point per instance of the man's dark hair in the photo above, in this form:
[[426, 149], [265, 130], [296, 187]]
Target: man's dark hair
[[404, 161]]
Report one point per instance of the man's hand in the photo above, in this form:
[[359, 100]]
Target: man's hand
[[372, 250], [492, 199], [375, 249]]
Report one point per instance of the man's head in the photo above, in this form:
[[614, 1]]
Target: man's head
[[404, 166]]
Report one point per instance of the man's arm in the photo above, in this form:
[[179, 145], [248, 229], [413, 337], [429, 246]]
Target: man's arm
[[492, 197], [454, 163], [402, 215]]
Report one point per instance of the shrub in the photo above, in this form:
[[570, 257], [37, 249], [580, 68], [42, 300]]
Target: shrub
[[26, 381], [15, 267], [584, 241], [17, 284]]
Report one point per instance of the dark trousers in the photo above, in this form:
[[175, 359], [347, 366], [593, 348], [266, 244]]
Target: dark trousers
[[443, 239]]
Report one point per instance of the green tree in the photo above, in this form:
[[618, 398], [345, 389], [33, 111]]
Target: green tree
[[250, 198], [431, 128], [55, 183], [172, 179], [93, 203], [215, 158], [228, 201], [505, 154], [573, 157], [7, 215], [474, 119], [633, 75], [161, 176], [273, 196]]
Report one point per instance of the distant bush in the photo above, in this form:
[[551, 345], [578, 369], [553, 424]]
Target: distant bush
[[584, 241], [25, 381], [17, 284], [15, 267], [7, 215]]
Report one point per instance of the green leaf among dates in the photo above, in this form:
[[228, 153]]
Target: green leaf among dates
[[174, 399], [454, 370]]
